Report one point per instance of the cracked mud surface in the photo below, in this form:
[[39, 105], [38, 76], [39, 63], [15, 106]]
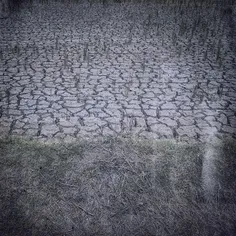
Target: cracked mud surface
[[89, 70]]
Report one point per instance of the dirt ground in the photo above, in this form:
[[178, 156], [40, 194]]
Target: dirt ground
[[117, 187]]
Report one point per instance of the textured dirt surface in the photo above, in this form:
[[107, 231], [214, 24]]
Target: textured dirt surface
[[85, 70]]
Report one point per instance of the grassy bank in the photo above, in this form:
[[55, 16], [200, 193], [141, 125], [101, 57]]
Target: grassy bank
[[116, 187]]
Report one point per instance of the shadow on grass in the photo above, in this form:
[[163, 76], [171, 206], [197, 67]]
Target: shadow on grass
[[114, 187]]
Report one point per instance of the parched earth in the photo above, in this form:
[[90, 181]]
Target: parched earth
[[88, 70]]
